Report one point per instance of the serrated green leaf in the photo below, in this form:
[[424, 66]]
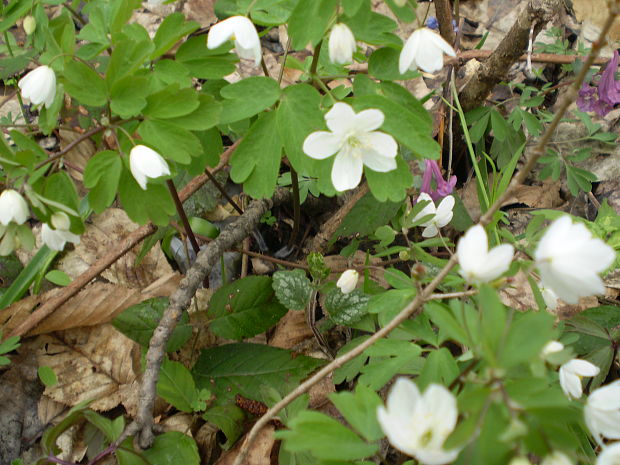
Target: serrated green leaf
[[204, 117], [346, 309], [293, 288], [128, 96], [248, 369], [244, 308], [139, 321], [439, 367], [171, 102], [316, 432]]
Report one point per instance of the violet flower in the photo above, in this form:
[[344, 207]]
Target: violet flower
[[443, 188], [604, 94]]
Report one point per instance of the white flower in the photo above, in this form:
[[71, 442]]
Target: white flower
[[145, 163], [556, 458], [569, 260], [348, 281], [572, 372], [551, 298], [39, 86], [602, 412], [610, 455], [478, 263], [418, 424], [13, 207], [442, 214], [29, 24], [341, 44], [56, 238], [551, 347], [242, 31], [424, 50], [356, 143]]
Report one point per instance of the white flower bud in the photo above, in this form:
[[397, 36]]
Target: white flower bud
[[60, 220], [145, 163], [572, 372], [551, 347], [348, 281], [13, 207], [39, 86], [56, 239], [424, 50], [29, 24], [341, 44]]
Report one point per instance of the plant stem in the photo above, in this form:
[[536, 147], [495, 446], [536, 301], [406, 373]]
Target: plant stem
[[183, 216], [296, 208], [70, 146], [220, 188]]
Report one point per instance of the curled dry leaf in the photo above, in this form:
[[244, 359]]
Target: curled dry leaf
[[97, 363], [291, 330], [97, 303], [259, 453], [106, 230]]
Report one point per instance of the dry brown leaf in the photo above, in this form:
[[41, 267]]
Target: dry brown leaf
[[97, 303], [106, 230], [208, 443], [519, 296], [94, 364], [181, 422], [201, 11], [340, 263], [259, 453], [593, 14], [291, 330], [76, 158], [49, 410]]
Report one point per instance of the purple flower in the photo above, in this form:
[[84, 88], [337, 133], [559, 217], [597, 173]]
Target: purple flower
[[603, 94], [432, 23], [443, 187]]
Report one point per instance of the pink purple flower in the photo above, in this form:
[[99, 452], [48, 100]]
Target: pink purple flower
[[443, 187], [601, 96]]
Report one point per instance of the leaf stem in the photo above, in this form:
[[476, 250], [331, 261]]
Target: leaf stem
[[179, 206], [296, 207]]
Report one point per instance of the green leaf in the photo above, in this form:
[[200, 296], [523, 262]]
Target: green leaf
[[203, 63], [391, 186], [493, 320], [359, 408], [528, 334], [9, 344], [318, 433], [128, 96], [244, 308], [37, 264], [176, 386], [389, 357], [172, 448], [441, 315], [48, 117], [366, 216], [440, 367], [256, 162], [60, 278], [373, 28], [248, 369], [383, 64], [171, 102], [308, 22], [128, 55], [101, 176], [173, 28], [230, 419], [139, 321], [48, 440], [47, 376], [346, 309], [112, 429], [299, 114], [204, 117], [84, 84], [153, 204], [172, 142], [248, 97], [293, 289]]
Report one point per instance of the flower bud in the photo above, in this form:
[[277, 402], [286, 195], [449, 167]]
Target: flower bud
[[551, 347], [145, 163], [13, 207], [39, 86], [29, 24], [341, 44], [348, 281], [56, 239], [60, 220]]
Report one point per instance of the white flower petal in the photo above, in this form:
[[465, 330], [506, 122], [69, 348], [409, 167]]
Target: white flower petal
[[145, 163], [377, 162], [497, 262], [424, 50], [407, 56], [430, 231], [39, 86], [322, 144], [382, 143], [242, 30], [341, 44], [610, 455], [471, 248], [340, 118], [56, 239], [347, 281], [347, 170], [369, 120], [13, 208]]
